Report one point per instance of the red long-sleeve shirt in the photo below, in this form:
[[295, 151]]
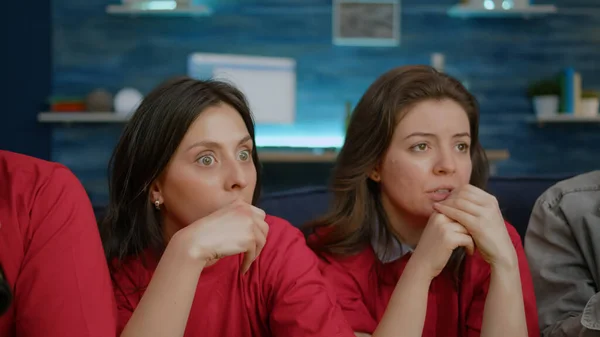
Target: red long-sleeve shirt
[[282, 294], [51, 253], [364, 287]]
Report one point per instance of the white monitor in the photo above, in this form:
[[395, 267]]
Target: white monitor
[[269, 83]]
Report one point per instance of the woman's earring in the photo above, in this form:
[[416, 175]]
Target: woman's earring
[[157, 204]]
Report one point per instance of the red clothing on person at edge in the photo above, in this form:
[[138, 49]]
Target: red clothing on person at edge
[[282, 294], [364, 287], [51, 253]]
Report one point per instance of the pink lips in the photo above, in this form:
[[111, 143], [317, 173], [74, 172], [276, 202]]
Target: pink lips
[[440, 194]]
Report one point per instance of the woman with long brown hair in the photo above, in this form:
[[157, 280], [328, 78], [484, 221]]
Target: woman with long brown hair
[[412, 243]]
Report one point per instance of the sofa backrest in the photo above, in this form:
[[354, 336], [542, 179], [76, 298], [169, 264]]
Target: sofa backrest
[[516, 196]]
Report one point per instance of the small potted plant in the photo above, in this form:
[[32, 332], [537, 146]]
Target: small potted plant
[[589, 103], [545, 94]]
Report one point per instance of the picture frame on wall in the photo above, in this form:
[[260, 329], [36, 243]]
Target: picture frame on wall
[[366, 23]]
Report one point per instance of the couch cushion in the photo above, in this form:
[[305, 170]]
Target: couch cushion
[[297, 205], [517, 196]]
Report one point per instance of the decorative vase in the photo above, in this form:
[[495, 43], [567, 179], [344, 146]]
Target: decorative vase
[[99, 100]]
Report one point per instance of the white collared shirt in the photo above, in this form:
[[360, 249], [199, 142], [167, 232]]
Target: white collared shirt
[[393, 253]]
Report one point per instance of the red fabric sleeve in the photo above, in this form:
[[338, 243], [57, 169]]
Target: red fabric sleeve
[[301, 302], [64, 287], [349, 295], [124, 306], [130, 280], [475, 315]]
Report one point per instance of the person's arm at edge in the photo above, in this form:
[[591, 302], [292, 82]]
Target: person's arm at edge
[[551, 248], [64, 287]]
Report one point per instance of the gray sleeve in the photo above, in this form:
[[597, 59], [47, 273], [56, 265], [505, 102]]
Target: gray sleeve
[[591, 318], [563, 283]]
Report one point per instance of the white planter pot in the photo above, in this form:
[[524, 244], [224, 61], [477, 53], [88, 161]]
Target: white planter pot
[[545, 105], [589, 107]]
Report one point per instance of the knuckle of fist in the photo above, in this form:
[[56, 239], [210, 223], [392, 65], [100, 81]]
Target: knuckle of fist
[[437, 218], [439, 223], [446, 237]]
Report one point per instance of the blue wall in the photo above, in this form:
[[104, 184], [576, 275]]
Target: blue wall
[[497, 58], [25, 75]]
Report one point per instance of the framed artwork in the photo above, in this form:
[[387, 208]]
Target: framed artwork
[[366, 22]]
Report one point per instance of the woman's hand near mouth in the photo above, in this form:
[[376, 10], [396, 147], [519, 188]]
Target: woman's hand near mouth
[[479, 213]]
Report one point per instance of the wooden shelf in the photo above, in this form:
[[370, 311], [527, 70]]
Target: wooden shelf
[[81, 117], [275, 156], [465, 11], [563, 119], [497, 155]]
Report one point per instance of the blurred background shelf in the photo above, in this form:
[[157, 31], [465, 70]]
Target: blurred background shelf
[[329, 156], [563, 118], [81, 117], [269, 154]]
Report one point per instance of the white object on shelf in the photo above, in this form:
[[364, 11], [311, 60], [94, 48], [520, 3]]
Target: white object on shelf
[[81, 117], [546, 105], [589, 107], [269, 83], [127, 100], [466, 11]]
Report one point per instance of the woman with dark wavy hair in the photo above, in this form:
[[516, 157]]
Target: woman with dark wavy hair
[[190, 253], [409, 201]]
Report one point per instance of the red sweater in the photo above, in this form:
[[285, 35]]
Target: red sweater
[[283, 293], [364, 287], [51, 253]]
